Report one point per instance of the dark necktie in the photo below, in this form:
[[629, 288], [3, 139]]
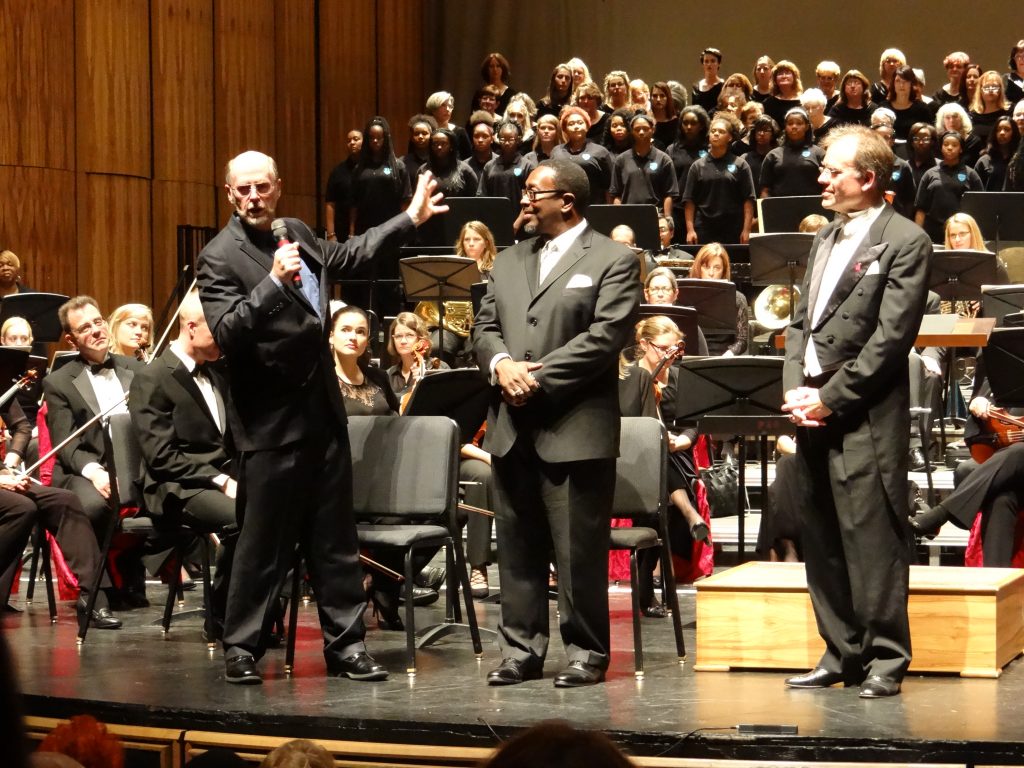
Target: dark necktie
[[98, 367]]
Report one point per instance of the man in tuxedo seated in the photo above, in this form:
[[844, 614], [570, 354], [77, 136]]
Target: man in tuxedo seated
[[24, 502], [94, 382], [177, 409]]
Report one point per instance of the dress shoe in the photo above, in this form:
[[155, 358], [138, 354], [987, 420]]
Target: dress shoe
[[241, 670], [188, 585], [8, 608], [876, 686], [513, 672], [926, 524], [429, 577], [478, 584], [100, 618], [699, 531], [385, 611], [359, 666], [579, 674], [421, 596], [916, 459], [655, 611], [818, 677]]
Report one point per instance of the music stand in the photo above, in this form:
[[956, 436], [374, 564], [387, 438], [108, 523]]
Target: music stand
[[1000, 300], [684, 317], [784, 214], [735, 396], [498, 213], [40, 309], [1004, 365], [958, 276], [1000, 215], [642, 219], [780, 259], [461, 394], [477, 291], [438, 278], [13, 362], [714, 300], [61, 358]]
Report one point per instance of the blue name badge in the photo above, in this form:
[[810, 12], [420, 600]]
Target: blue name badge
[[517, 171], [652, 165], [702, 153], [962, 177], [731, 168], [387, 171], [896, 175], [586, 155], [806, 153]]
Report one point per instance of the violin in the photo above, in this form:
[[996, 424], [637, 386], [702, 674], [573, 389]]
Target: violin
[[30, 377], [142, 354], [999, 430]]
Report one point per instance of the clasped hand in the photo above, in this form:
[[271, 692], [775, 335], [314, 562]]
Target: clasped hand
[[805, 408], [516, 380]]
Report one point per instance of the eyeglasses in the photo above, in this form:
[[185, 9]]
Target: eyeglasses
[[833, 172], [922, 140], [991, 88], [659, 289], [533, 195], [403, 336], [670, 348], [245, 190], [84, 328]]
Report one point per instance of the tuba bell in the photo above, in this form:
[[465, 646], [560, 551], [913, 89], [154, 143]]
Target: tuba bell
[[458, 316], [772, 306]]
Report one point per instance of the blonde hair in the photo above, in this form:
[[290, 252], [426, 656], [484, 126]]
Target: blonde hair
[[10, 323], [707, 254], [12, 258], [791, 67], [119, 316], [812, 223], [894, 53], [977, 241], [977, 105], [490, 249]]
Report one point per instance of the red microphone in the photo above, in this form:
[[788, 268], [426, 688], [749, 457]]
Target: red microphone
[[281, 233]]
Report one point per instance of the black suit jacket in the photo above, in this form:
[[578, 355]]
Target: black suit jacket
[[70, 403], [275, 346], [863, 337], [575, 324], [182, 448]]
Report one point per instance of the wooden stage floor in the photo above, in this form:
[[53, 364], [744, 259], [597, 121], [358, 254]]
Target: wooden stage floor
[[134, 677]]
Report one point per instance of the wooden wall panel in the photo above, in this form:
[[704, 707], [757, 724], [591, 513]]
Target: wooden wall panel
[[183, 90], [295, 103], [113, 85], [348, 74], [400, 68], [37, 222], [114, 254], [244, 76], [37, 79], [177, 203]]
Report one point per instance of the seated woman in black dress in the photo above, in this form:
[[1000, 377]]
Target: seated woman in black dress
[[942, 187], [793, 168], [409, 342], [712, 263]]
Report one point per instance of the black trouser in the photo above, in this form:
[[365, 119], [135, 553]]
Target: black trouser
[[298, 493], [478, 527], [565, 507]]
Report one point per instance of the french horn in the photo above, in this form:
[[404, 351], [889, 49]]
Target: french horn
[[772, 306]]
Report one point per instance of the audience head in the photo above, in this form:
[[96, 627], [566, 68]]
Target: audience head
[[711, 263], [639, 94], [972, 74], [53, 760], [660, 286], [408, 334], [812, 223], [558, 745], [194, 334], [521, 109], [86, 740], [813, 100], [131, 328], [477, 242], [85, 328], [299, 753], [951, 147], [16, 332], [509, 135], [711, 61], [481, 132], [728, 124], [963, 233], [494, 69], [1003, 138], [737, 81], [623, 233], [253, 188], [798, 129], [486, 98], [856, 169], [641, 128], [350, 334]]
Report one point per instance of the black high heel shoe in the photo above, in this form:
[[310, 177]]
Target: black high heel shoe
[[386, 612]]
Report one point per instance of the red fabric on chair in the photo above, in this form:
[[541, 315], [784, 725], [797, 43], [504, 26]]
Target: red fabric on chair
[[974, 556], [702, 556]]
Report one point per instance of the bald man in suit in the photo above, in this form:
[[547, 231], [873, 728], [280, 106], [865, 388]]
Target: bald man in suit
[[558, 310]]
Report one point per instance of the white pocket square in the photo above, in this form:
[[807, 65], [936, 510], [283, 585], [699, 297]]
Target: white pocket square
[[872, 270], [579, 281]]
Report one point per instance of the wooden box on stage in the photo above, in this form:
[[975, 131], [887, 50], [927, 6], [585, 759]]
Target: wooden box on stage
[[969, 621]]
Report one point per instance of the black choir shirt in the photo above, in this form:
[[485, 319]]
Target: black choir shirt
[[788, 170], [477, 166], [939, 194], [903, 188], [339, 194], [707, 99], [501, 179], [643, 180], [596, 162], [844, 115], [718, 187], [378, 192], [984, 123], [918, 171], [1013, 84], [665, 133], [917, 112], [991, 169], [755, 159], [777, 108]]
